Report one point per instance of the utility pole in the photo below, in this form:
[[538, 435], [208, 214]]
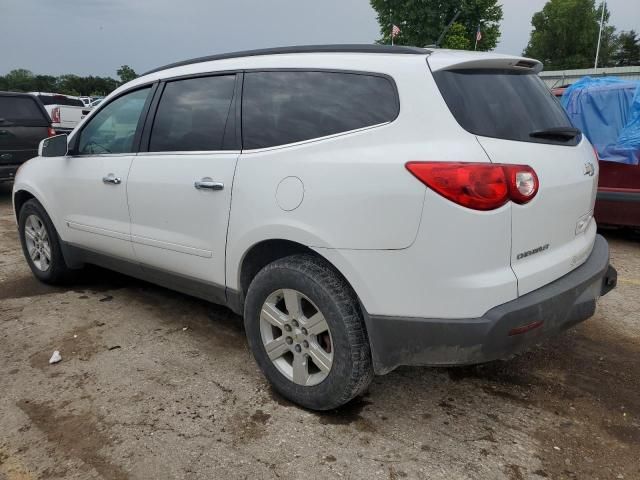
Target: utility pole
[[446, 29], [604, 7]]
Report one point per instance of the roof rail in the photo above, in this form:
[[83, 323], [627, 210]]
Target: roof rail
[[340, 48]]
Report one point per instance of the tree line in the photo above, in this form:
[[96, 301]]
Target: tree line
[[22, 80], [564, 35]]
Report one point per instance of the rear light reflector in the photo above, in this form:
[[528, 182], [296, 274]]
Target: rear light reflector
[[51, 132], [523, 182], [479, 186], [55, 115], [525, 328]]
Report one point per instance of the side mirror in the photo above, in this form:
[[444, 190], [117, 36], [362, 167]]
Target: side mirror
[[53, 146], [86, 111]]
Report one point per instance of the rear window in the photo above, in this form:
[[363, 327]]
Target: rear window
[[21, 110], [504, 104], [286, 107], [60, 100]]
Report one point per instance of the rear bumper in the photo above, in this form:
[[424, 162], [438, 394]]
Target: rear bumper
[[61, 130], [503, 330]]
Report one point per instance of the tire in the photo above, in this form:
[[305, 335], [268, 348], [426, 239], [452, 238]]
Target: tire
[[56, 271], [320, 290]]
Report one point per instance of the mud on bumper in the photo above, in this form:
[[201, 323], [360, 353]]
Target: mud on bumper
[[502, 331]]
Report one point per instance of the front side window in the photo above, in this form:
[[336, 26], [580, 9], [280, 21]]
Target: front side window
[[113, 128], [287, 107], [192, 115]]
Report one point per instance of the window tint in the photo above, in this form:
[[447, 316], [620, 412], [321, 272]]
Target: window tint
[[192, 115], [21, 110], [287, 107], [113, 128], [60, 100], [503, 104]]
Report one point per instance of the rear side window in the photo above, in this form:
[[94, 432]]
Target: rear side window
[[192, 115], [504, 104], [21, 110], [286, 107]]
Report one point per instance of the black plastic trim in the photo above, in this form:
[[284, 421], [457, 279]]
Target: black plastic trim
[[340, 48], [75, 256], [626, 197], [559, 305]]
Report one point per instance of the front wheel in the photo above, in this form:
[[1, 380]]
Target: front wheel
[[40, 244], [306, 332]]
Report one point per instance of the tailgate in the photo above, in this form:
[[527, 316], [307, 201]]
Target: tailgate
[[554, 233], [516, 120]]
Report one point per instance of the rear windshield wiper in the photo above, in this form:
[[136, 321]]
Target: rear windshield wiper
[[563, 133]]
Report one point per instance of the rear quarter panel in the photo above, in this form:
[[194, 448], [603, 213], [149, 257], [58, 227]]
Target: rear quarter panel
[[358, 195]]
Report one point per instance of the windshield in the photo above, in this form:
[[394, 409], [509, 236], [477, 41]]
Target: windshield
[[506, 104]]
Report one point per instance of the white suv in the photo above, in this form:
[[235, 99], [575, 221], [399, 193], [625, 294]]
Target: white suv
[[363, 207]]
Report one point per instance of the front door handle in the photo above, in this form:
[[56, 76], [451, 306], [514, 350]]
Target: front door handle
[[111, 178], [207, 183]]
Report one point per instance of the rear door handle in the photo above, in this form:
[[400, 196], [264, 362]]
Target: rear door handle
[[207, 183], [111, 178]]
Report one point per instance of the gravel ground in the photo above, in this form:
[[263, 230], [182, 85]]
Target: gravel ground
[[155, 384]]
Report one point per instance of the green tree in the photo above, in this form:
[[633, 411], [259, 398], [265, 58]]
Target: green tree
[[19, 80], [565, 35], [126, 73], [45, 83], [422, 21], [457, 38], [627, 52], [71, 85]]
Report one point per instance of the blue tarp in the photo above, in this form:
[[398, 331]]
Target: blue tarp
[[607, 110]]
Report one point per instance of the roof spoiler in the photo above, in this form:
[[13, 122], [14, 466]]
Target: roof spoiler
[[444, 61]]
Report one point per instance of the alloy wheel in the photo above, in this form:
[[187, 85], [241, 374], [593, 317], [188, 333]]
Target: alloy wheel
[[296, 337]]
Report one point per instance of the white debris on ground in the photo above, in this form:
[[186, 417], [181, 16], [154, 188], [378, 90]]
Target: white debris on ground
[[55, 358]]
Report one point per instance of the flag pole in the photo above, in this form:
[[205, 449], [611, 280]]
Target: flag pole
[[604, 6]]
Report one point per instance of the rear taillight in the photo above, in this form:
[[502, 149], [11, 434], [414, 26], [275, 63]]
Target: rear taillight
[[479, 186], [51, 132], [55, 115], [523, 182]]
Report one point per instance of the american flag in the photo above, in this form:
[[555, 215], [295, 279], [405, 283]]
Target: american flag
[[395, 31], [478, 34]]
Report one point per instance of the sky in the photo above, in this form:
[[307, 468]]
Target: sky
[[95, 37]]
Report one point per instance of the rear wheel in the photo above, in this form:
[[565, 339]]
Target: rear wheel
[[40, 244], [306, 332]]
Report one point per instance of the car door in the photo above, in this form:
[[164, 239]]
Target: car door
[[89, 185], [180, 188]]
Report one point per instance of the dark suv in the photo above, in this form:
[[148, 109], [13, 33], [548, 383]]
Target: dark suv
[[23, 123]]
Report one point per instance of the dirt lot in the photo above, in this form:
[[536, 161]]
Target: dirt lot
[[155, 384]]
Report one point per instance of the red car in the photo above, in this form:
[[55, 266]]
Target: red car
[[618, 199]]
